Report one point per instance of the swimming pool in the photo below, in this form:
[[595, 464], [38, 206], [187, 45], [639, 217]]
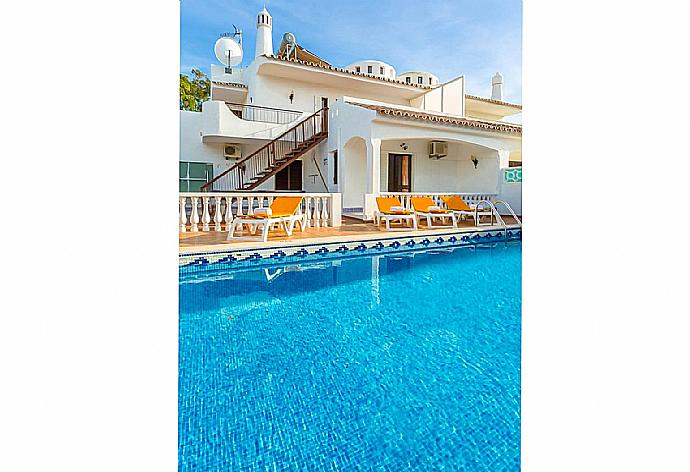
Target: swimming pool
[[405, 361]]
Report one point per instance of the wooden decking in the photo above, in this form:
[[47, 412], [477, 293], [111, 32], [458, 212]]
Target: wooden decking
[[350, 228]]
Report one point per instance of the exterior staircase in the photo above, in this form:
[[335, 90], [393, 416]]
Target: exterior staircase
[[251, 171]]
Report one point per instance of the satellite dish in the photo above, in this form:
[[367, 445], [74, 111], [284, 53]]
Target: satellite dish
[[226, 45]]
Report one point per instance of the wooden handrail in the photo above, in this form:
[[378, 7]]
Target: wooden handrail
[[270, 146]]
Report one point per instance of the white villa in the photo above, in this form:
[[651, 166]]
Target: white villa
[[291, 121]]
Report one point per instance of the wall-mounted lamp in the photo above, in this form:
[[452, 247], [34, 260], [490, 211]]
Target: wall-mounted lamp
[[475, 161], [404, 146], [292, 95]]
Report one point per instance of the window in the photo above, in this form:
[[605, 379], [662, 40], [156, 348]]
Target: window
[[381, 71], [358, 69], [408, 80], [335, 167], [193, 175], [369, 69], [429, 80]]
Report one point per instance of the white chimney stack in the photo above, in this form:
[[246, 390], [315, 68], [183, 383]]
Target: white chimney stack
[[264, 34], [497, 87]]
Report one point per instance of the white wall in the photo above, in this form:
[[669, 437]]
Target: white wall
[[274, 92], [353, 160], [218, 120], [510, 192], [453, 173], [193, 149]]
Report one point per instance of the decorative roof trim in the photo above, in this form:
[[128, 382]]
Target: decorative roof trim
[[228, 84], [491, 100], [345, 71], [442, 119]]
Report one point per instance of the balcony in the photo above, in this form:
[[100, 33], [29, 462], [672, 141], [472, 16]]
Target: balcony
[[278, 116], [238, 123]]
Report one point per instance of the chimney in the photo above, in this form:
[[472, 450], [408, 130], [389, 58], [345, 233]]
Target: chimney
[[497, 87], [264, 33]]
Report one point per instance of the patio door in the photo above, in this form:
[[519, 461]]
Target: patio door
[[290, 178], [399, 172]]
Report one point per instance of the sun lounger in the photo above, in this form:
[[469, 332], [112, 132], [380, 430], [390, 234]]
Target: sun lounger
[[462, 209], [390, 209], [424, 207], [283, 211]]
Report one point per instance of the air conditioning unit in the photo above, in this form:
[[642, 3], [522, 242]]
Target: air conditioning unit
[[438, 149], [232, 151]]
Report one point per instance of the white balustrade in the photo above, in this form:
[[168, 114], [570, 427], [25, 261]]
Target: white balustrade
[[195, 215], [217, 216], [206, 217], [469, 198], [319, 209], [183, 215]]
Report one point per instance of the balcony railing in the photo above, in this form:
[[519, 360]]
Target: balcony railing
[[264, 114], [215, 211]]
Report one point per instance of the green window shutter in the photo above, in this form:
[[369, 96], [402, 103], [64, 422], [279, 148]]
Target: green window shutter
[[197, 170], [195, 185]]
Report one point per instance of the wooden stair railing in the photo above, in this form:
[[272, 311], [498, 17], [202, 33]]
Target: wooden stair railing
[[251, 171]]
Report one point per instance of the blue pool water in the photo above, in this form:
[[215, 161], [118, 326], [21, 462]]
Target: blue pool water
[[397, 362]]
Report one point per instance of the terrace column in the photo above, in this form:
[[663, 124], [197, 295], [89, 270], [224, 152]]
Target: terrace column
[[373, 176], [374, 166], [503, 158], [503, 163]]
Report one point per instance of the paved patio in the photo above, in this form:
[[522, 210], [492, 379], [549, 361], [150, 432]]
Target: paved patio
[[351, 229]]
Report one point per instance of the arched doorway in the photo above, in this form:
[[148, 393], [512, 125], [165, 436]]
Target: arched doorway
[[354, 173]]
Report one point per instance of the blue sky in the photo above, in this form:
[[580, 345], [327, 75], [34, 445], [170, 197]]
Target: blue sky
[[474, 38]]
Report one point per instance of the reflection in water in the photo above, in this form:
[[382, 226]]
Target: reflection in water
[[251, 288]]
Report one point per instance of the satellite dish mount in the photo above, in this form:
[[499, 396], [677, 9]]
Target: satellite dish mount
[[229, 50]]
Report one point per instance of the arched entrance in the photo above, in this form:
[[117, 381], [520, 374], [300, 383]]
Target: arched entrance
[[354, 172]]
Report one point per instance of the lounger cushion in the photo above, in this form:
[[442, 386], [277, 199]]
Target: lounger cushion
[[386, 204], [424, 205], [456, 203], [263, 211], [285, 206]]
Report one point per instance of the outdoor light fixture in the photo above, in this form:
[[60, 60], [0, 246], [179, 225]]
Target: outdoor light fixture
[[475, 161], [292, 95], [404, 146]]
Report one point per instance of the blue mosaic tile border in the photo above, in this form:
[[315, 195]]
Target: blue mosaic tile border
[[220, 260]]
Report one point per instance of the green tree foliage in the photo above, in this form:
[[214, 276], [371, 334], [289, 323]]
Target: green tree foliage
[[194, 91]]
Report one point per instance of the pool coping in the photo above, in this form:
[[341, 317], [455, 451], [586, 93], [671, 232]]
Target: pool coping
[[218, 256]]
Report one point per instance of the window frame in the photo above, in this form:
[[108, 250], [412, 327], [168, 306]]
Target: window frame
[[187, 179]]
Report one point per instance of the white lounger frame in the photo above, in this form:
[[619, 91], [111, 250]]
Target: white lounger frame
[[287, 223], [442, 216], [474, 214], [387, 217]]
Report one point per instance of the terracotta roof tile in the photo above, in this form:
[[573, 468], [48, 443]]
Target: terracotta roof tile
[[345, 71], [491, 100], [443, 119]]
